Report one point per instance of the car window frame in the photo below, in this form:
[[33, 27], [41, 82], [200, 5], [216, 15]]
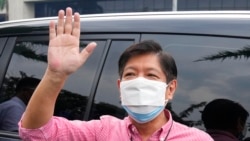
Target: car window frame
[[109, 37], [6, 56]]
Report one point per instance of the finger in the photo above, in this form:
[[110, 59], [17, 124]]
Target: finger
[[87, 51], [76, 28], [60, 22], [52, 30], [68, 22]]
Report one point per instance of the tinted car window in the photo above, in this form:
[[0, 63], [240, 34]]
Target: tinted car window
[[77, 89], [6, 139], [107, 99], [206, 72], [2, 44], [29, 59]]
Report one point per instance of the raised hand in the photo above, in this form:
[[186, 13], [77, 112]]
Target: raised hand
[[64, 55]]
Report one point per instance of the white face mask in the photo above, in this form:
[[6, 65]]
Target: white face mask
[[143, 99]]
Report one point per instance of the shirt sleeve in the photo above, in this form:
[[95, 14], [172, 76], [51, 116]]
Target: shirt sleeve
[[61, 129]]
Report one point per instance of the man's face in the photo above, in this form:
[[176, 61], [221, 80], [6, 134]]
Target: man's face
[[147, 66]]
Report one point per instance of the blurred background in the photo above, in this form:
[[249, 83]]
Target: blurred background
[[23, 9]]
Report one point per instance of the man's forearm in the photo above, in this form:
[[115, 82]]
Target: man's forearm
[[41, 106], [64, 59]]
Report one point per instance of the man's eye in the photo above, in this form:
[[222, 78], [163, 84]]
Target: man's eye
[[129, 74], [152, 76]]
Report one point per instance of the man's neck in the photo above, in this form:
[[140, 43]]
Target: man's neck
[[147, 129]]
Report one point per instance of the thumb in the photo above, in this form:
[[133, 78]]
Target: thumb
[[87, 51]]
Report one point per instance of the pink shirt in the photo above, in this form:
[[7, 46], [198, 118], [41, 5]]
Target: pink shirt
[[108, 128]]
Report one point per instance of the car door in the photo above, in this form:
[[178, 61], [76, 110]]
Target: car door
[[6, 47], [208, 68], [28, 58]]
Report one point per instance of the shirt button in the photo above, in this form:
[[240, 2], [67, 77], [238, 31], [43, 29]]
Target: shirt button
[[161, 138]]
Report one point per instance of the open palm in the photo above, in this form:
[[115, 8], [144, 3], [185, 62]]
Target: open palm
[[64, 55]]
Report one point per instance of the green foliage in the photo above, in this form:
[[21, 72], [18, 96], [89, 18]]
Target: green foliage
[[182, 117], [25, 49], [189, 110], [222, 55]]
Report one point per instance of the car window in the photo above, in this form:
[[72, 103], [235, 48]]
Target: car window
[[2, 44], [8, 139], [208, 68], [107, 99], [29, 60]]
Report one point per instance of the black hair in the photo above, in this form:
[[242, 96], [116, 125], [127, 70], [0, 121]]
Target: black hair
[[167, 62], [223, 114]]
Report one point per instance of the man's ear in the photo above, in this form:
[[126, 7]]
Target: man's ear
[[118, 83], [118, 86], [170, 90]]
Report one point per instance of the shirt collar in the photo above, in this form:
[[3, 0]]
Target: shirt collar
[[166, 127], [162, 132]]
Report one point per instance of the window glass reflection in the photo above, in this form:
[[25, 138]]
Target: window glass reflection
[[206, 72], [29, 60], [2, 44], [107, 92], [74, 97]]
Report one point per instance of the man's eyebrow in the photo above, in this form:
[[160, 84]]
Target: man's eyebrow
[[154, 69], [129, 67], [148, 69]]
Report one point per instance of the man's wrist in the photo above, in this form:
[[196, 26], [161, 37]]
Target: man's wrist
[[55, 77]]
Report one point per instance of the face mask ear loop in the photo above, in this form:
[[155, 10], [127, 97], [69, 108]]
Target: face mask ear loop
[[166, 102]]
